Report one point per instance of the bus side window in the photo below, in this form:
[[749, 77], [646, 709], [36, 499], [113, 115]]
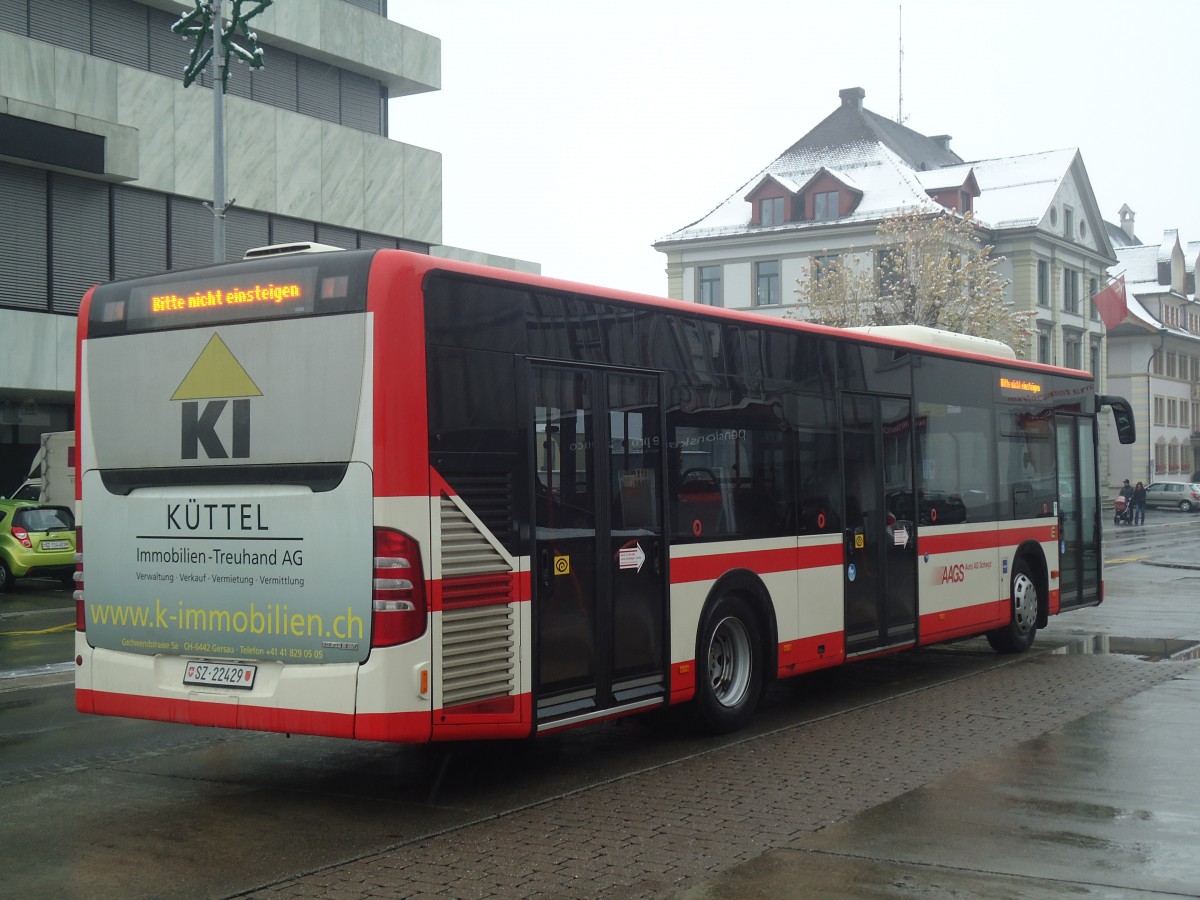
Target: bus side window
[[1028, 463]]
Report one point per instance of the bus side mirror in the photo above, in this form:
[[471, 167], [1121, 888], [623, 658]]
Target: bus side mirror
[[1122, 415]]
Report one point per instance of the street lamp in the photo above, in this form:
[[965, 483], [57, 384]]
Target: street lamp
[[204, 22]]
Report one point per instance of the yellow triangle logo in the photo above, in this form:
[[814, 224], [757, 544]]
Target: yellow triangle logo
[[216, 374]]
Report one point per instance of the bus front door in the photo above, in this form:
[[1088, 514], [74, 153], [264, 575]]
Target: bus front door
[[880, 533], [599, 546], [1078, 512]]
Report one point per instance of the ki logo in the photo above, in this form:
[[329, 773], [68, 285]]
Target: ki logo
[[215, 381]]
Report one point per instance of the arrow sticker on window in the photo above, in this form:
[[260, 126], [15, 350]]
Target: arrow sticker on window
[[631, 557]]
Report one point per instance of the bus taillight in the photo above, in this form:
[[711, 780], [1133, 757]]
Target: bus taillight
[[80, 619], [398, 597]]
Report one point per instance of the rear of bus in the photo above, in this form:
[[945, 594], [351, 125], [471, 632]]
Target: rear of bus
[[233, 572]]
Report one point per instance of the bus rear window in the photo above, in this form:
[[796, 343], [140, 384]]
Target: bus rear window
[[272, 289]]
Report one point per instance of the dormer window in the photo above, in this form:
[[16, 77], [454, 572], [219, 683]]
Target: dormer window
[[771, 211], [825, 206], [773, 201], [955, 187]]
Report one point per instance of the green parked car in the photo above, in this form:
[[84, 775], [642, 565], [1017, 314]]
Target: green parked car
[[36, 541]]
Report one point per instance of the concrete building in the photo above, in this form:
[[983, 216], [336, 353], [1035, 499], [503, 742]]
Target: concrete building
[[1154, 355], [106, 160]]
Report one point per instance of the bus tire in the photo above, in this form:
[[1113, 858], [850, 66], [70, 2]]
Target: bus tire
[[1017, 635], [729, 664]]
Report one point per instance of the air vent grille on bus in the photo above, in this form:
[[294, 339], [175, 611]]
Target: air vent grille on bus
[[477, 622], [477, 652], [464, 550], [489, 495]]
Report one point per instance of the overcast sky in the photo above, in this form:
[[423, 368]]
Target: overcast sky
[[575, 134]]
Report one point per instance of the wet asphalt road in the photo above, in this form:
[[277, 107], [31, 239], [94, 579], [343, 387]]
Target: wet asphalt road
[[104, 807]]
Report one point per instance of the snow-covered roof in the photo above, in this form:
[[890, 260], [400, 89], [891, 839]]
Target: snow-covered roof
[[1016, 191], [1170, 239], [895, 168], [949, 177], [1139, 265], [1190, 252], [783, 181], [1142, 316], [887, 183], [1139, 312], [844, 177], [1118, 238]]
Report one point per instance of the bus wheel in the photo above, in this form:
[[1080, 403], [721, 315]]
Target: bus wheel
[[1017, 635], [728, 657]]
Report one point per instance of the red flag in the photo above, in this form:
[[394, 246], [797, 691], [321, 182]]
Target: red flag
[[1111, 305]]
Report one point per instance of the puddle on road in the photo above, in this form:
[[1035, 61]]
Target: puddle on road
[[1149, 649]]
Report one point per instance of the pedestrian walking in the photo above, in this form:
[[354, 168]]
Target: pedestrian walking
[[1139, 504]]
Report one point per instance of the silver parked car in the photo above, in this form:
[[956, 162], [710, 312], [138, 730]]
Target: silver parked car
[[1176, 495]]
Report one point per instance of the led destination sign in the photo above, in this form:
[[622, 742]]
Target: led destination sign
[[1020, 386], [251, 293], [222, 297], [173, 303], [253, 290]]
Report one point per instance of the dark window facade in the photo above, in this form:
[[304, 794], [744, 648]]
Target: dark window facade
[[825, 206], [709, 283], [1070, 290], [76, 232], [766, 283], [771, 211], [1072, 349]]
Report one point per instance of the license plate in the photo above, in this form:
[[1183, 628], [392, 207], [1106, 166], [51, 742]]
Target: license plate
[[54, 545], [214, 674]]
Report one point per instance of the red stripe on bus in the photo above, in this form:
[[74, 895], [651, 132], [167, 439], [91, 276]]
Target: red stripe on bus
[[795, 657], [707, 568], [220, 715], [965, 621], [808, 654], [478, 590], [398, 727], [986, 540]]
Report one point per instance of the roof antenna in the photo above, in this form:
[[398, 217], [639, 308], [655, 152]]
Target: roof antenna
[[900, 107]]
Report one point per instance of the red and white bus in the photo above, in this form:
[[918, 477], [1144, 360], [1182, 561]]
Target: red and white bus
[[378, 495]]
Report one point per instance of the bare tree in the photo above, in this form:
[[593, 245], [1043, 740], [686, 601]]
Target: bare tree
[[930, 270]]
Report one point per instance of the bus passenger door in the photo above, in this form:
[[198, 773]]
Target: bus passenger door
[[879, 540], [599, 544], [1078, 513]]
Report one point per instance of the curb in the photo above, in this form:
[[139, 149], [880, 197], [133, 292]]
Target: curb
[[1170, 565], [37, 677]]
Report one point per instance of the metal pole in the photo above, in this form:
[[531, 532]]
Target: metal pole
[[220, 61]]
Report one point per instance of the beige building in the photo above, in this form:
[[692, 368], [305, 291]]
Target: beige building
[[1154, 357], [827, 194]]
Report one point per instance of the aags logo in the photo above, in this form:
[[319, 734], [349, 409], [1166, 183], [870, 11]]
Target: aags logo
[[950, 574], [218, 379]]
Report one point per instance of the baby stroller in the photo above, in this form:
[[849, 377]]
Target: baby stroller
[[1124, 512]]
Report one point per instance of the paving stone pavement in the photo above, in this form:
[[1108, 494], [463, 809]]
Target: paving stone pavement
[[659, 832]]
